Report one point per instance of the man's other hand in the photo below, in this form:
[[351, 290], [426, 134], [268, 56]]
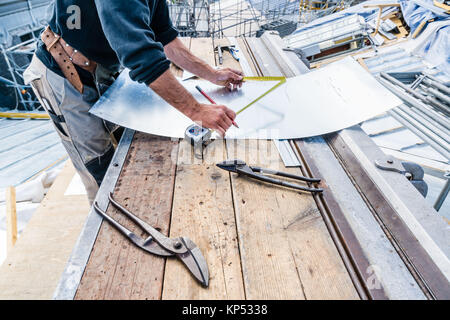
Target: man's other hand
[[228, 77], [213, 116]]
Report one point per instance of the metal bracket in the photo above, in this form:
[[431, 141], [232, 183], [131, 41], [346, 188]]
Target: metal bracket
[[392, 164], [412, 171]]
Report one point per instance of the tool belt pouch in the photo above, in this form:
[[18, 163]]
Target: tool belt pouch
[[67, 57]]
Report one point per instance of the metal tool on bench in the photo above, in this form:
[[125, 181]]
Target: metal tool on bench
[[199, 138], [231, 48], [240, 167], [412, 171], [157, 243]]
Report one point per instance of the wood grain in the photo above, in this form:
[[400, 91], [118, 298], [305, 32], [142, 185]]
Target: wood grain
[[286, 250], [319, 265], [203, 211], [116, 268]]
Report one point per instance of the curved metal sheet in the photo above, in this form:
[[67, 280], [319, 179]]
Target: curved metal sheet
[[330, 99]]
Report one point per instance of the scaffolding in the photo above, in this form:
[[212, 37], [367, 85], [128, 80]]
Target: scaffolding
[[225, 18], [21, 22], [310, 10], [234, 18]]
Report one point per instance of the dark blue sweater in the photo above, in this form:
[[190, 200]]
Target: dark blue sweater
[[130, 33]]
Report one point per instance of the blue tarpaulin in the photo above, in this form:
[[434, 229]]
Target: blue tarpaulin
[[414, 14], [437, 50]]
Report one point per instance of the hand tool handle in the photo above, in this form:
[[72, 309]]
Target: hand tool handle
[[117, 225], [161, 239], [284, 174], [279, 182]]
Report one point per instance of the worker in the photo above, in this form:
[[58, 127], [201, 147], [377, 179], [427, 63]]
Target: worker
[[83, 49]]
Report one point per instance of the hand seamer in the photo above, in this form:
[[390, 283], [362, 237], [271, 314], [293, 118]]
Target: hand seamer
[[240, 167], [157, 243]]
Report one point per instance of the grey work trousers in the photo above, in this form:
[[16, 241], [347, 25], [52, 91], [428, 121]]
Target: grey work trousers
[[89, 140]]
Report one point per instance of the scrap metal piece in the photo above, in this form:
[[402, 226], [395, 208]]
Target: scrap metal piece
[[287, 154], [444, 192]]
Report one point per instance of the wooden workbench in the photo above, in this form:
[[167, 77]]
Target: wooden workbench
[[260, 241]]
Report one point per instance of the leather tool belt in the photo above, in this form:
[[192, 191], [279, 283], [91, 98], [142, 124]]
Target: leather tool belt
[[67, 57]]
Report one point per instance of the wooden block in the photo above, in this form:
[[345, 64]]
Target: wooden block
[[11, 218], [286, 250], [117, 269]]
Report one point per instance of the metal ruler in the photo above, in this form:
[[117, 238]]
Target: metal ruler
[[285, 150], [280, 80]]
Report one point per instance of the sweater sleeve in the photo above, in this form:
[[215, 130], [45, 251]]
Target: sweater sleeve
[[162, 25], [127, 27]]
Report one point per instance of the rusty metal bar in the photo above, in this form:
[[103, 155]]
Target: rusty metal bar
[[345, 240]]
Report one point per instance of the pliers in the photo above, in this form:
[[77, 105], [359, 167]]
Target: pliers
[[240, 167], [157, 243]]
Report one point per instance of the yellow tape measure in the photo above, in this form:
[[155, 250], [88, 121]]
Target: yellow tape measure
[[280, 80]]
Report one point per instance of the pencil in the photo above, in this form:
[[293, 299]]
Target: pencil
[[211, 100]]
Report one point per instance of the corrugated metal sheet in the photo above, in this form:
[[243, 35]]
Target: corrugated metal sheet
[[27, 147]]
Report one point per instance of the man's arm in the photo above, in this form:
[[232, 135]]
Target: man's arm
[[125, 24], [177, 52], [217, 117]]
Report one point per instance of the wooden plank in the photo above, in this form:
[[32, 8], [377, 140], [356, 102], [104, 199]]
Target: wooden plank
[[117, 269], [33, 269], [321, 273], [286, 250], [203, 211], [203, 48], [326, 278], [11, 218], [268, 267]]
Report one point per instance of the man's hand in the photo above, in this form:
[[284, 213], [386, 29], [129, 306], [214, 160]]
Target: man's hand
[[177, 52], [227, 77], [213, 116]]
